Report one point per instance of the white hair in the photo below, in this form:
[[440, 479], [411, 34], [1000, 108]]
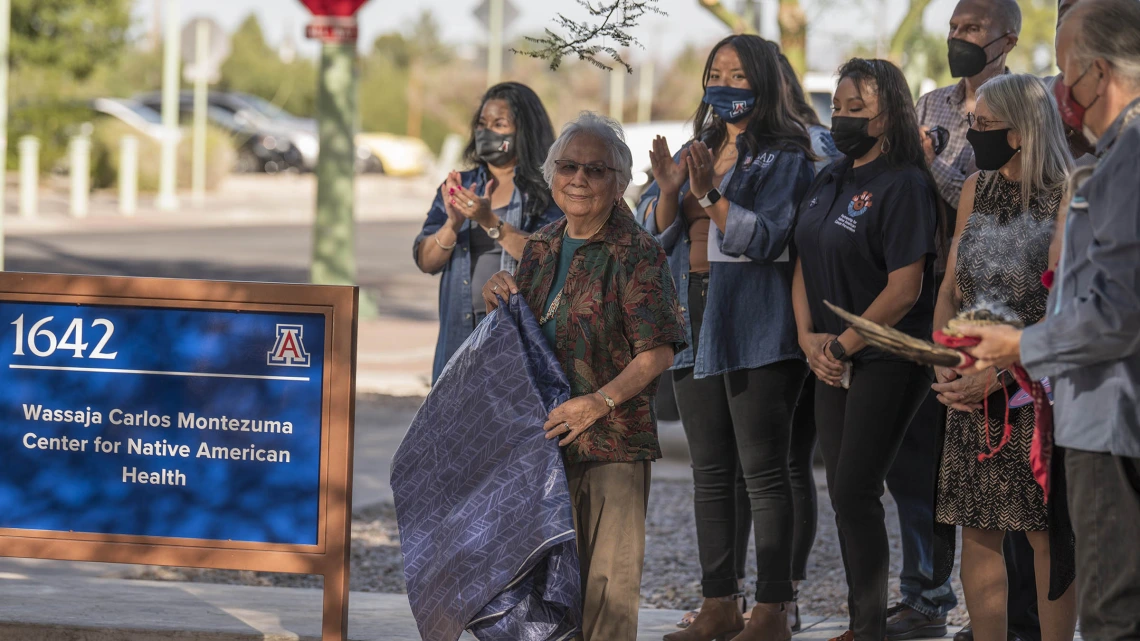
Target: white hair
[[607, 130], [1109, 29], [1023, 101]]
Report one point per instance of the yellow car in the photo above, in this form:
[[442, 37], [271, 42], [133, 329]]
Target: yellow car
[[392, 154]]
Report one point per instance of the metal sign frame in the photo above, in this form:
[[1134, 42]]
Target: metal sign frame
[[330, 556]]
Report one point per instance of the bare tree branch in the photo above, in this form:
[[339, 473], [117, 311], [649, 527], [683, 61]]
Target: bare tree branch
[[617, 17]]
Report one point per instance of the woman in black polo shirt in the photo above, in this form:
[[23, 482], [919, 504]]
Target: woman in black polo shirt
[[865, 242]]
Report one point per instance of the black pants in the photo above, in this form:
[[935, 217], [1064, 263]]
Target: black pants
[[805, 498], [1104, 503], [740, 424], [1021, 599], [860, 431]]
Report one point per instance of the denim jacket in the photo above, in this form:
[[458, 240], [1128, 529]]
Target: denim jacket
[[456, 318], [748, 320]]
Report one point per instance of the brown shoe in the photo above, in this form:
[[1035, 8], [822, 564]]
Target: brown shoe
[[717, 621], [769, 622]]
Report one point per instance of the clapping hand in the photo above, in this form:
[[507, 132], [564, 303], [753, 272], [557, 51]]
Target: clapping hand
[[668, 174]]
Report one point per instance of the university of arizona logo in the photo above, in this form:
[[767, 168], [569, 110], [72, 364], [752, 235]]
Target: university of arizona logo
[[859, 204], [739, 107], [289, 350], [505, 146]]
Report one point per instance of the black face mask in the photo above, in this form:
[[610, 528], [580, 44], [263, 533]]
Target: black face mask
[[494, 149], [850, 135], [968, 59], [991, 148]]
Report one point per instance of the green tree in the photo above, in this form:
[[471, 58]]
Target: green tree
[[72, 37], [255, 68]]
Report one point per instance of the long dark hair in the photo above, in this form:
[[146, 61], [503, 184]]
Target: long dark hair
[[533, 136], [773, 122], [902, 137], [796, 100]]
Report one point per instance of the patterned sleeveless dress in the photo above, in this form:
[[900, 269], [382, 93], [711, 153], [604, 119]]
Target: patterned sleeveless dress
[[1002, 253]]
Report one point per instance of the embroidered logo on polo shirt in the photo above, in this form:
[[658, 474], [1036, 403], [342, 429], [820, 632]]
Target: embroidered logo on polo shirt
[[858, 206]]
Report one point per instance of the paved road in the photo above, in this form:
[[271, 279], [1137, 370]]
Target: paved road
[[259, 253]]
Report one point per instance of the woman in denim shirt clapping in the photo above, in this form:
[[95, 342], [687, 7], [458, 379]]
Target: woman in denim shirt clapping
[[723, 208]]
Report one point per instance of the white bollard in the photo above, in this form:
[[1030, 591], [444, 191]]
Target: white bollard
[[29, 176], [79, 170], [128, 175]]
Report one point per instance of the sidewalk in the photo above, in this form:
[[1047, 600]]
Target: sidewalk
[[243, 199], [37, 606]]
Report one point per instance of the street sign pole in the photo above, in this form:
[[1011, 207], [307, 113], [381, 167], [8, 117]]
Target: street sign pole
[[334, 253], [495, 44], [168, 176], [5, 27], [201, 86]]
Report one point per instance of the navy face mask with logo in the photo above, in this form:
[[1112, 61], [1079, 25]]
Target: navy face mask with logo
[[731, 104]]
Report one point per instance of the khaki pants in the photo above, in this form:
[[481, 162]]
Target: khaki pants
[[610, 501]]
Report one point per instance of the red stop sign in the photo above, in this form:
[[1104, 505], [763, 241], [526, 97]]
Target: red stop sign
[[333, 8]]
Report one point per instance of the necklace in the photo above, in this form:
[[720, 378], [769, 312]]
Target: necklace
[[557, 302]]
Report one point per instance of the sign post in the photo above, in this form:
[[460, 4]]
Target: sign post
[[172, 422], [168, 161], [205, 46], [334, 252], [5, 29]]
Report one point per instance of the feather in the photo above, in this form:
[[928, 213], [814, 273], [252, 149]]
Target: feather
[[891, 340]]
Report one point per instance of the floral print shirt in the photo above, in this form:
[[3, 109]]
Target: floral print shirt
[[619, 301]]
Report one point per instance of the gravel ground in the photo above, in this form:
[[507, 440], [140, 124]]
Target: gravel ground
[[672, 573]]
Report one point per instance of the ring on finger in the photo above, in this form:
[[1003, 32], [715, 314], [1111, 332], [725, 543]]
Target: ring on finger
[[470, 203]]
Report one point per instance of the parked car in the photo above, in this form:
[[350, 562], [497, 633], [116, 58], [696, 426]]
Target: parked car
[[394, 155], [136, 115], [818, 89], [639, 137], [263, 144]]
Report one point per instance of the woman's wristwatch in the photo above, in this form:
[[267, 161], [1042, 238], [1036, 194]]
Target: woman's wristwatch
[[495, 232], [838, 351], [709, 199], [606, 397]]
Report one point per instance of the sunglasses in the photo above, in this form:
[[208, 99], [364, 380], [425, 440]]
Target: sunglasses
[[595, 171]]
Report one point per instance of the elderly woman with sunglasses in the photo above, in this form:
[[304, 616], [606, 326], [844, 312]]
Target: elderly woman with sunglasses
[[601, 288]]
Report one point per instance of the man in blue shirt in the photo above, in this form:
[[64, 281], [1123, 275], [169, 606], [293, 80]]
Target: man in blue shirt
[[1089, 341]]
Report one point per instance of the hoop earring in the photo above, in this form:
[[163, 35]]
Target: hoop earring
[[885, 146]]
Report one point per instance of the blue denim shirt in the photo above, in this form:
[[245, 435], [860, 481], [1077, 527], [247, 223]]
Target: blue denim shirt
[[1089, 342], [456, 317], [748, 320]]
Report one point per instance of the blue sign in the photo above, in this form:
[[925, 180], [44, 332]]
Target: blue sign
[[199, 424]]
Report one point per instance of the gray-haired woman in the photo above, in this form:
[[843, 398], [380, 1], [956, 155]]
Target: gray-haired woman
[[601, 288], [1006, 218]]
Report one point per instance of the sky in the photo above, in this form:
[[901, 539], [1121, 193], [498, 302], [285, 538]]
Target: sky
[[830, 21]]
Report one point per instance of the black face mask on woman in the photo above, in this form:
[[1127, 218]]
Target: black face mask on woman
[[493, 148], [851, 137], [991, 148]]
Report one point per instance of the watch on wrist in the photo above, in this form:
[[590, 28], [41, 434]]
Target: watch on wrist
[[710, 199], [495, 232], [609, 401], [838, 351]]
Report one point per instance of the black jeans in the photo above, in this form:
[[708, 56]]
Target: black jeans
[[911, 481], [860, 431], [1021, 600], [1104, 503], [740, 423], [805, 498]]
